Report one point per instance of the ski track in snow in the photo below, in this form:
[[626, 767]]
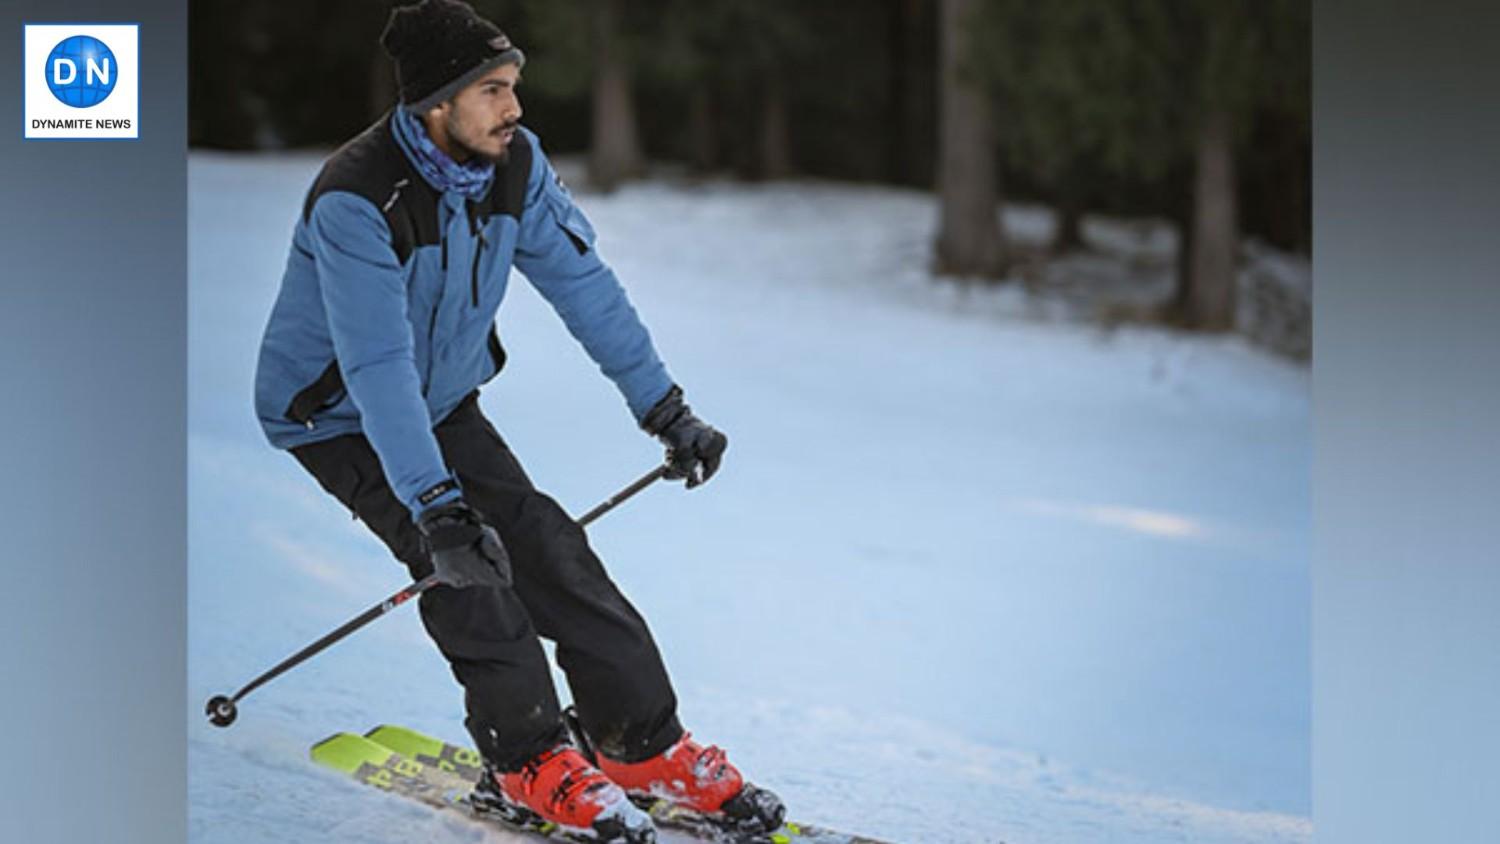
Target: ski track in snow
[[1039, 582]]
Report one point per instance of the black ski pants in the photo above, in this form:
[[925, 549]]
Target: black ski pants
[[489, 636]]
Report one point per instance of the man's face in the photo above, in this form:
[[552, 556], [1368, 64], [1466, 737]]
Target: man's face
[[482, 118]]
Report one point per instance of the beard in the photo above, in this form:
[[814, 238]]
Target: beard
[[466, 143]]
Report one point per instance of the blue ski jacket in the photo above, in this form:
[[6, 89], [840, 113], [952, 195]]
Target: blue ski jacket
[[385, 319]]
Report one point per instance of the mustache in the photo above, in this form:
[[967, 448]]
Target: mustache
[[505, 127]]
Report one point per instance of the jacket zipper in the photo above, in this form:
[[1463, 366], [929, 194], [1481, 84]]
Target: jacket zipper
[[478, 232], [474, 276], [431, 344], [474, 286], [432, 322]]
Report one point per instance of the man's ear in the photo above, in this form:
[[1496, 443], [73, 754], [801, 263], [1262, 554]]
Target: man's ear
[[435, 118]]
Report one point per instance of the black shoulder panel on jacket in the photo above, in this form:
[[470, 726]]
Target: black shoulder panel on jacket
[[508, 193], [372, 165]]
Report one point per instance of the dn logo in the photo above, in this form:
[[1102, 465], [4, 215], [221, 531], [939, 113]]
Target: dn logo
[[82, 81], [81, 71]]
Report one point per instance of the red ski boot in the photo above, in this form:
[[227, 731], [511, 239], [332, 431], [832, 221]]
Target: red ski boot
[[561, 787], [699, 778]]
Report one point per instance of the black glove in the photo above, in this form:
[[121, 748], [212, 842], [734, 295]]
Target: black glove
[[464, 550], [694, 447]]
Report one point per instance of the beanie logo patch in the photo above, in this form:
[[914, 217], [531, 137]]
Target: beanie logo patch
[[500, 42]]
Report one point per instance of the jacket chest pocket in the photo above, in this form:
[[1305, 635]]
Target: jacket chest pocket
[[568, 217]]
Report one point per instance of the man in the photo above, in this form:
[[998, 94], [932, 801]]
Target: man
[[369, 373]]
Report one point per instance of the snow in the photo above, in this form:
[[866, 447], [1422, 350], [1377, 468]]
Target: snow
[[972, 571]]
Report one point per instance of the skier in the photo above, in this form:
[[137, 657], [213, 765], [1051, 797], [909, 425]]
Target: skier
[[369, 370]]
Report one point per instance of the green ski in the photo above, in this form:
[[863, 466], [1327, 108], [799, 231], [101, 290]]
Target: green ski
[[446, 762], [393, 772], [379, 766], [462, 762]]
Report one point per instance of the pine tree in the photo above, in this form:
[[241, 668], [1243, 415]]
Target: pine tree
[[1148, 91], [969, 241]]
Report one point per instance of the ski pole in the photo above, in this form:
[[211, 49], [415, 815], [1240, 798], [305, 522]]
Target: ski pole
[[221, 709]]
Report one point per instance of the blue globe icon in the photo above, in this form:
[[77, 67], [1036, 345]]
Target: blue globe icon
[[81, 71]]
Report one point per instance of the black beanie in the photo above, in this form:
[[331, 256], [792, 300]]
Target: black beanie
[[440, 46]]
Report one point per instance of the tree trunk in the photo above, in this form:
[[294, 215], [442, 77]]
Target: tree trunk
[[1069, 234], [615, 154], [702, 128], [775, 145], [1215, 240], [969, 240]]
